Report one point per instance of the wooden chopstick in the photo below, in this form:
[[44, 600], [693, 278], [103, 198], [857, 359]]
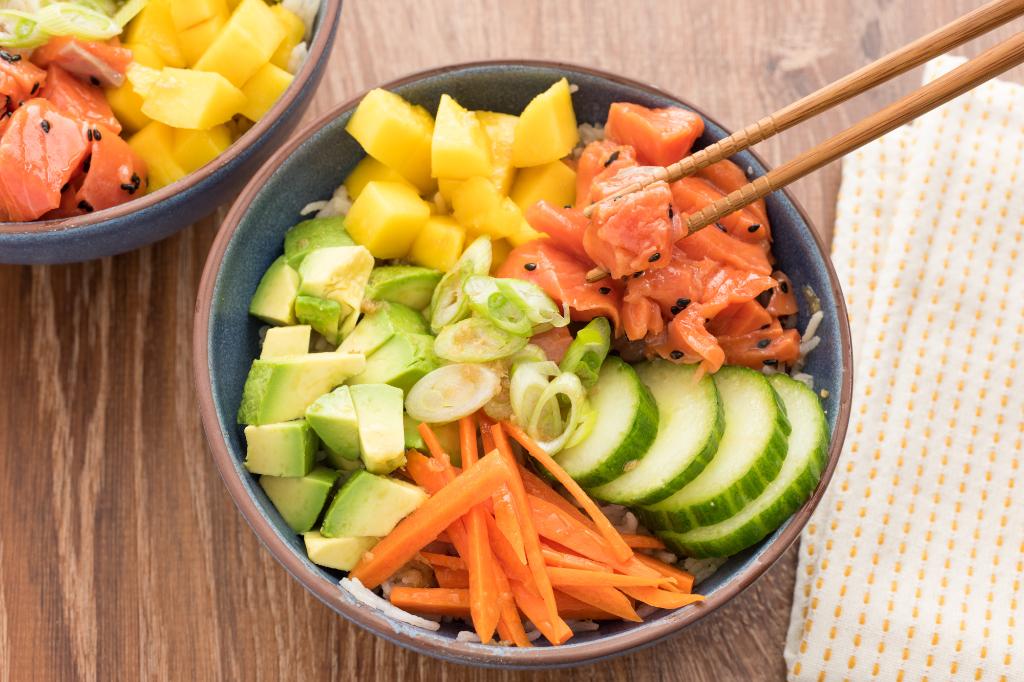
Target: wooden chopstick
[[940, 41]]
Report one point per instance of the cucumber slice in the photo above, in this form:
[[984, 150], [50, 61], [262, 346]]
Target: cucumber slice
[[689, 431], [626, 425], [749, 456], [805, 460]]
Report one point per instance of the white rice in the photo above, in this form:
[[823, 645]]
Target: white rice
[[313, 207], [338, 204], [298, 57], [702, 569], [367, 597], [582, 625], [533, 635], [305, 10], [467, 636]]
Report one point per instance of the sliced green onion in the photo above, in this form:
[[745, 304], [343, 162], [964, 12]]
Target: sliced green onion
[[72, 19], [588, 350], [451, 392], [20, 29], [548, 426], [129, 11], [539, 307], [587, 421], [526, 386], [531, 352], [476, 340], [449, 303], [490, 301]]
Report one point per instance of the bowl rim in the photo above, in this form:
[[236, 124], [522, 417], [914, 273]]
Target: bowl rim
[[328, 592], [327, 20]]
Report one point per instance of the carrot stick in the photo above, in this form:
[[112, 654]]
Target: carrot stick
[[451, 577], [482, 590], [434, 446], [506, 556], [577, 577], [534, 607], [531, 542], [438, 601], [453, 563], [663, 599], [642, 541], [538, 487], [510, 627], [607, 599], [684, 580], [505, 516], [576, 609], [438, 512], [554, 557], [554, 524], [619, 547]]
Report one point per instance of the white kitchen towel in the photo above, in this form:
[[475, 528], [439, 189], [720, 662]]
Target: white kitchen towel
[[911, 569]]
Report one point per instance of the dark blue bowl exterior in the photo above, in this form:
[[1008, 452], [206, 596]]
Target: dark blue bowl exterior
[[320, 164], [181, 209]]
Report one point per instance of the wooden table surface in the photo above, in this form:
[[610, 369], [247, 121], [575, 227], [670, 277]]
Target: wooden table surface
[[121, 555]]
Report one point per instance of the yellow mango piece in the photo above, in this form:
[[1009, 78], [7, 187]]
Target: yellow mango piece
[[524, 234], [127, 106], [478, 206], [499, 253], [193, 149], [553, 182], [546, 130], [247, 41], [439, 244], [195, 40], [263, 89], [447, 187], [187, 13], [142, 78], [396, 133], [501, 131], [146, 55], [294, 33], [370, 170], [154, 28], [155, 145], [459, 147], [386, 218], [197, 100]]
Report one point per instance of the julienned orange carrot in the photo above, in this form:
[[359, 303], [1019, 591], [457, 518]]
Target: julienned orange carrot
[[436, 451], [607, 599], [537, 487], [576, 609], [642, 541], [580, 578], [482, 589], [510, 626], [619, 547], [450, 577], [663, 599], [453, 563], [684, 580], [439, 511], [531, 542], [554, 557], [506, 556], [532, 604], [437, 601], [426, 472], [554, 524], [505, 517]]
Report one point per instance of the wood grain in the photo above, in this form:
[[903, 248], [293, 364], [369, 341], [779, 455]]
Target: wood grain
[[121, 556]]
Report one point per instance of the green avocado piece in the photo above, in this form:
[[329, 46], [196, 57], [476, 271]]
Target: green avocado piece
[[313, 234], [322, 315], [447, 436], [293, 340], [333, 418], [337, 273], [406, 284], [274, 299], [339, 553], [370, 506], [377, 327], [379, 410], [401, 362], [284, 449], [413, 439], [280, 389], [300, 500]]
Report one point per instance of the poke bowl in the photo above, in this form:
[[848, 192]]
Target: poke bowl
[[152, 114], [335, 547]]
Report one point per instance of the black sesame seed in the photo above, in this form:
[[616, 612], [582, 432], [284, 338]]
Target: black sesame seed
[[9, 57], [88, 134], [45, 125], [567, 206], [87, 165], [136, 180], [612, 158], [85, 206], [65, 187], [96, 135], [676, 354], [605, 290], [94, 80], [128, 187], [765, 326], [676, 310], [682, 303], [35, 88], [671, 213], [784, 287], [771, 362], [655, 257], [763, 343], [638, 274], [530, 266], [753, 228], [721, 227]]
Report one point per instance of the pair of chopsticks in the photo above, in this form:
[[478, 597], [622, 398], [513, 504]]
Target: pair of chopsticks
[[988, 65]]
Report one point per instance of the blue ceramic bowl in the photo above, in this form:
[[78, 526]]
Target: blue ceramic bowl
[[308, 169], [152, 217]]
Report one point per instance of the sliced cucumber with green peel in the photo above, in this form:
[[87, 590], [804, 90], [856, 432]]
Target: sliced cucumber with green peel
[[689, 430], [749, 456], [626, 425], [805, 460]]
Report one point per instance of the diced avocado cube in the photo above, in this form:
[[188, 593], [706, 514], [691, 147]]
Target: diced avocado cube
[[299, 500], [379, 410], [333, 418], [447, 436], [337, 273], [349, 324], [322, 315], [405, 284], [284, 449], [280, 389], [280, 341], [274, 300], [401, 362], [413, 439], [374, 330], [339, 553], [370, 506], [313, 234]]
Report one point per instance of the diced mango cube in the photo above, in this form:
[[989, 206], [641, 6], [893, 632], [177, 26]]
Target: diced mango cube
[[193, 149], [146, 55], [386, 218], [479, 207], [263, 89], [547, 128], [396, 133], [197, 100], [447, 187], [553, 182], [127, 106], [501, 131], [370, 170], [524, 234], [459, 147], [294, 33], [155, 145], [154, 28], [246, 43], [187, 13], [439, 243], [195, 40], [143, 78]]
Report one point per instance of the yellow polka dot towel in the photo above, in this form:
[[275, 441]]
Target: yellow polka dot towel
[[912, 567]]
